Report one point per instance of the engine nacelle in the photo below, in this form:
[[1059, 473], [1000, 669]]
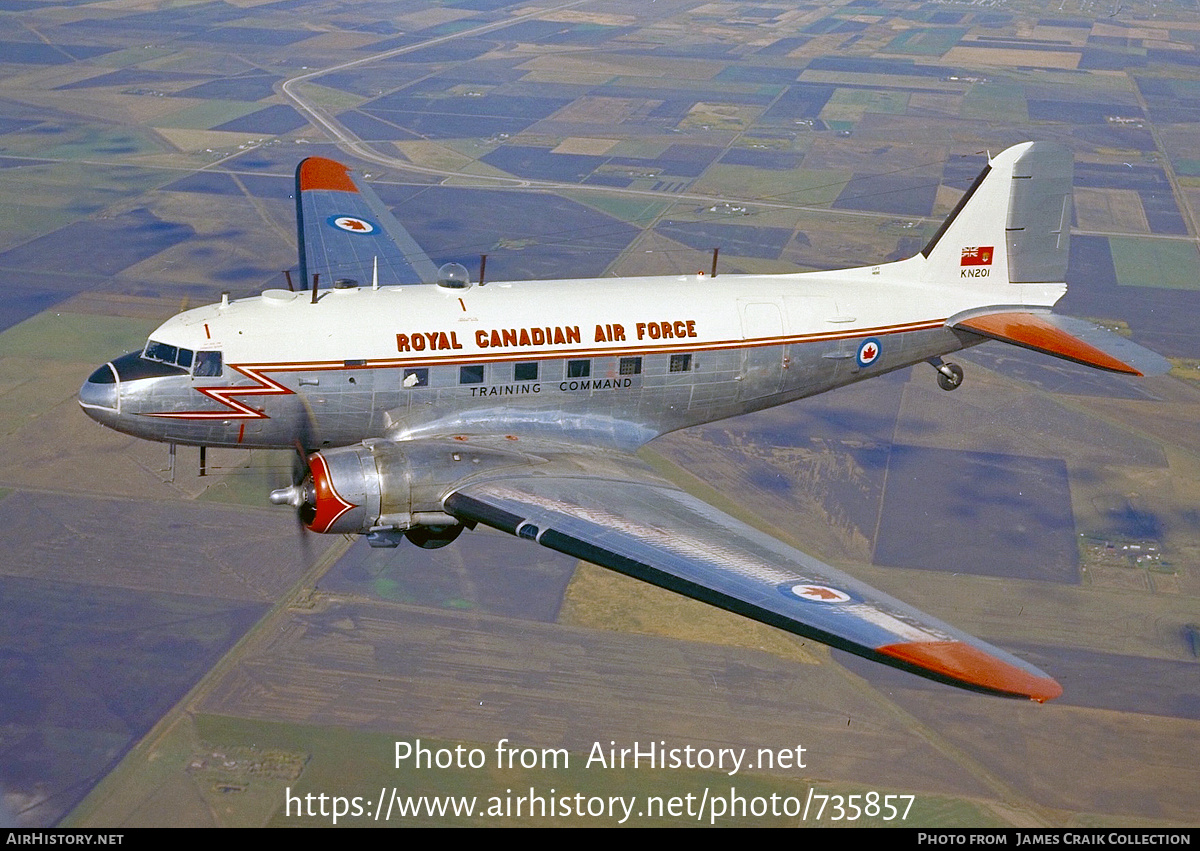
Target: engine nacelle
[[343, 490], [364, 488], [388, 489]]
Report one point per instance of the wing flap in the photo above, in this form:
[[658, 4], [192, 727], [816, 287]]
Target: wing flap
[[346, 231], [1068, 338], [649, 529]]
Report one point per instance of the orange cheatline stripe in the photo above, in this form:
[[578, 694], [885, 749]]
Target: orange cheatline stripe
[[321, 173], [1031, 332], [970, 665], [533, 353]]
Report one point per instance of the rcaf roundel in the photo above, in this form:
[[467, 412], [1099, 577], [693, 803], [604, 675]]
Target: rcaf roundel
[[869, 351], [353, 224], [816, 593]]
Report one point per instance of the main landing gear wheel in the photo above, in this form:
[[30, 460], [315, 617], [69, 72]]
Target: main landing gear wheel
[[432, 537]]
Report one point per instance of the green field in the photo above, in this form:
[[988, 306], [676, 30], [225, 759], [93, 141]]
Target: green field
[[57, 194], [83, 141], [334, 100], [1187, 167], [637, 211], [133, 56], [1170, 264], [647, 149], [852, 104], [925, 42], [19, 222], [996, 100], [255, 473], [804, 186], [76, 338], [210, 113], [36, 376]]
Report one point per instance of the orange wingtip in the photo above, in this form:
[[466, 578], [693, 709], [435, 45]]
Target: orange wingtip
[[320, 173], [1028, 330], [970, 665]]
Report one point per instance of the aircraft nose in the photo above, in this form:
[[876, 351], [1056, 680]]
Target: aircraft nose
[[98, 395]]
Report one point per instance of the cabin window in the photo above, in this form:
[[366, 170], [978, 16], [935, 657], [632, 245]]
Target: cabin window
[[681, 363], [207, 364], [472, 374], [525, 371], [416, 378], [579, 368], [631, 366]]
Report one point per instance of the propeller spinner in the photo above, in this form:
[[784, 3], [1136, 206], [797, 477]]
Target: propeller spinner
[[301, 496]]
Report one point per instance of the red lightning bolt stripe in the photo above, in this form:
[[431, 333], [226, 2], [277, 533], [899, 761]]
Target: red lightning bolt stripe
[[233, 410]]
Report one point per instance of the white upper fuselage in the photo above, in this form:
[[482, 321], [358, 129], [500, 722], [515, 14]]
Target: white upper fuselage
[[406, 324]]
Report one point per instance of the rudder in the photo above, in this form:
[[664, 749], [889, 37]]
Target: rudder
[[1039, 215]]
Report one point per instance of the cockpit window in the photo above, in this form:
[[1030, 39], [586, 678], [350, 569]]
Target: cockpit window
[[161, 352], [207, 363]]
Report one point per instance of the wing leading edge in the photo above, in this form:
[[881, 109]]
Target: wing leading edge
[[345, 231], [645, 527]]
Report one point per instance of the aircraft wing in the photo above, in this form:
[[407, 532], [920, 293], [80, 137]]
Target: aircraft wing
[[344, 229], [622, 516]]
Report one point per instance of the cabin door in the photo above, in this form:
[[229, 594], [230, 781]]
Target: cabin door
[[762, 355]]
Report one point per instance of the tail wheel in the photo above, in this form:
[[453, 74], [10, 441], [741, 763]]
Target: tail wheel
[[950, 376]]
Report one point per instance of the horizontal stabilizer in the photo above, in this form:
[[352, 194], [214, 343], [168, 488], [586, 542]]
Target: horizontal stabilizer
[[1068, 338]]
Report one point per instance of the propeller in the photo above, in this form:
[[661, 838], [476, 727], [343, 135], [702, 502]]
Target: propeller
[[301, 494]]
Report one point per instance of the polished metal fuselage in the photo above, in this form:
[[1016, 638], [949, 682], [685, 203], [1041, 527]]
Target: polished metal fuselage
[[345, 405]]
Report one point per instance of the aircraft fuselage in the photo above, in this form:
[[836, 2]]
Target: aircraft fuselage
[[610, 361]]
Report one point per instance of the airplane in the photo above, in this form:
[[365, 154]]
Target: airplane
[[422, 402]]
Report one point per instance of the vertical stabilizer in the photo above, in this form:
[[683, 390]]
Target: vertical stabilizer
[[1013, 224]]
